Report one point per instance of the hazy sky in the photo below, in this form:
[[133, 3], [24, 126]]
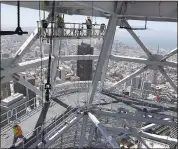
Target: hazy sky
[[29, 18]]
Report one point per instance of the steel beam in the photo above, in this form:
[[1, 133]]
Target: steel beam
[[160, 138], [51, 139], [142, 61], [17, 78], [27, 44], [103, 131], [104, 52], [118, 8], [149, 54], [91, 134], [37, 63], [117, 139], [5, 79], [147, 127], [24, 66], [83, 131], [135, 117], [171, 53], [128, 78], [163, 72], [134, 131]]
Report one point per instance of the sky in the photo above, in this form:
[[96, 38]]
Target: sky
[[162, 33]]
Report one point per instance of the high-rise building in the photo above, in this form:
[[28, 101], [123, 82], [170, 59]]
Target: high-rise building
[[5, 90], [19, 88], [84, 67]]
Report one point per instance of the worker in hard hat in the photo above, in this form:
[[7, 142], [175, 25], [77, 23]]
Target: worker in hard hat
[[60, 25], [44, 24], [17, 133], [88, 26], [102, 29]]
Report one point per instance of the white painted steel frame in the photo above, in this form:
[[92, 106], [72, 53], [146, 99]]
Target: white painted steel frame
[[106, 47], [103, 131], [137, 10], [136, 117]]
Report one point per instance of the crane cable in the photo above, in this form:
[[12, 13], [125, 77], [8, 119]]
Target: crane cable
[[48, 85], [43, 9]]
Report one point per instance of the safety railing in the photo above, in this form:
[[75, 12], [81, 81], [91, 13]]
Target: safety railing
[[76, 30], [20, 112], [50, 126]]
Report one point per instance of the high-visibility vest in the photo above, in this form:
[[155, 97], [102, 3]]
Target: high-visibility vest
[[17, 131], [60, 22]]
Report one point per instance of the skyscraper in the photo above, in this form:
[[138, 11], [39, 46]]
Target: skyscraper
[[5, 90], [84, 67]]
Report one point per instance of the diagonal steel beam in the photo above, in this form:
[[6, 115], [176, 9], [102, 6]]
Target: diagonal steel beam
[[118, 10], [171, 53], [91, 133], [17, 78], [42, 117], [149, 54], [83, 131], [103, 131], [134, 131], [104, 52], [163, 72], [28, 43], [60, 102], [139, 71]]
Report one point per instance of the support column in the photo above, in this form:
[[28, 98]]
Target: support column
[[103, 131], [103, 76], [91, 133], [106, 48], [83, 132], [55, 54]]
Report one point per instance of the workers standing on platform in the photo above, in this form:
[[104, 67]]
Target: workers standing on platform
[[60, 25], [88, 26], [102, 28], [17, 133], [44, 27]]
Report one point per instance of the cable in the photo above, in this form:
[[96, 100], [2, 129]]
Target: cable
[[48, 85], [18, 13]]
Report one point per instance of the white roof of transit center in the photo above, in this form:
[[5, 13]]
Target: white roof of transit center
[[132, 10]]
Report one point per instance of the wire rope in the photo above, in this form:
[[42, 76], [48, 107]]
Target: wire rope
[[41, 75]]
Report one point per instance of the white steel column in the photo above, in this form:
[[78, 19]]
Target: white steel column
[[103, 131], [171, 53], [103, 54], [103, 76], [27, 44], [54, 64], [163, 72], [91, 133], [139, 71], [83, 131]]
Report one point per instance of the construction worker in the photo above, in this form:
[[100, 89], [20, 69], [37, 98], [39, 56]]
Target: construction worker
[[17, 134], [102, 28], [88, 26], [44, 26], [60, 25]]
